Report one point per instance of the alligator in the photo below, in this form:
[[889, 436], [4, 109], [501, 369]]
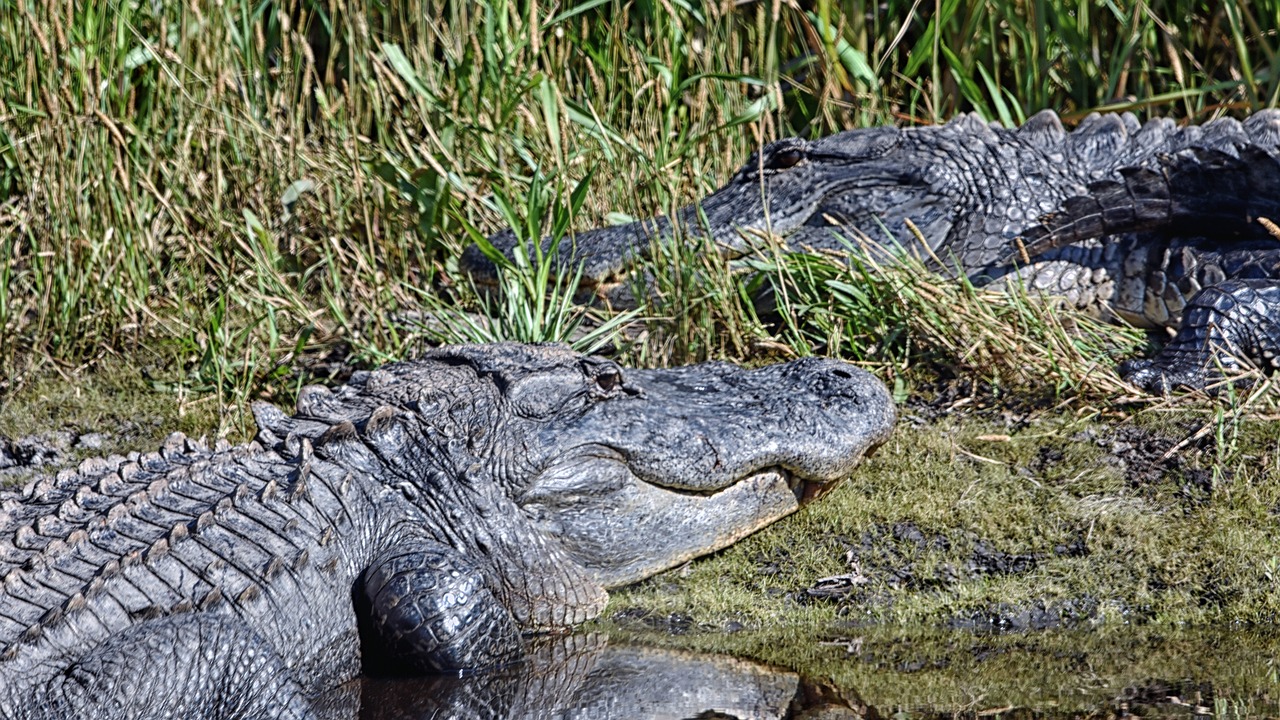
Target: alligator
[[425, 517], [1179, 248]]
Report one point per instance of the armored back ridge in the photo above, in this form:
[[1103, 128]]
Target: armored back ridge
[[422, 518], [1150, 223]]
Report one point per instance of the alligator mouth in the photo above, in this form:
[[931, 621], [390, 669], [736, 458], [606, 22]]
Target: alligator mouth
[[636, 527], [806, 490], [568, 478]]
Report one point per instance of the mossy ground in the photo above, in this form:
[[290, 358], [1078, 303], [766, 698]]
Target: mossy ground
[[1013, 564], [1100, 673], [1005, 559], [135, 405], [1000, 520], [999, 517]]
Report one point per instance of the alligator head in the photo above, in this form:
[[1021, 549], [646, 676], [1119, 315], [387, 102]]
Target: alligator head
[[688, 461], [564, 475], [880, 182], [631, 472], [634, 472]]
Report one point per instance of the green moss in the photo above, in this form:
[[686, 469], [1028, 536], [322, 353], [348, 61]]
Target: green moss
[[133, 407], [966, 522]]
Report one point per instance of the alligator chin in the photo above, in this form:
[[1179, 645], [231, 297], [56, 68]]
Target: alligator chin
[[640, 529]]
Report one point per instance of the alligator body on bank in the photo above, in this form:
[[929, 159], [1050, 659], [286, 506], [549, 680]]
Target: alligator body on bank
[[1150, 223], [427, 514]]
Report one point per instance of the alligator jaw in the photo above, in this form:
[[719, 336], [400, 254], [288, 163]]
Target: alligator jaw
[[805, 489], [623, 528], [638, 529], [700, 458]]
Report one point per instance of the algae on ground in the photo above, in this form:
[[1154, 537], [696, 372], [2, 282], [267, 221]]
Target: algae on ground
[[1116, 533], [968, 522], [994, 519], [124, 407]]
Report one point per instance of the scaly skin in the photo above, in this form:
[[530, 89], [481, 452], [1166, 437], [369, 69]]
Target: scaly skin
[[976, 193], [422, 518]]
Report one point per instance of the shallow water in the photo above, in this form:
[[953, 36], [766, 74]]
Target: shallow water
[[1125, 673]]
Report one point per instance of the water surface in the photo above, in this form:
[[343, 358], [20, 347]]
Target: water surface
[[1125, 672]]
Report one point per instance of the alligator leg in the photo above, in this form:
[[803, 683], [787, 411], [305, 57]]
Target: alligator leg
[[1222, 325], [428, 608], [181, 666]]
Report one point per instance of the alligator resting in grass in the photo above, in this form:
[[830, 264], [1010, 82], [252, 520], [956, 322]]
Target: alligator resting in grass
[[1150, 223], [426, 515]]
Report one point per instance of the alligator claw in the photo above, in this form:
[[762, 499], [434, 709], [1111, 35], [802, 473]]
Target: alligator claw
[[1161, 377]]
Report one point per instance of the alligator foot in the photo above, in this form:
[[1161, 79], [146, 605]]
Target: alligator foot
[[1234, 325], [212, 666], [432, 611]]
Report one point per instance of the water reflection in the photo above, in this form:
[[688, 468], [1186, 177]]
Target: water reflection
[[584, 677], [1086, 675]]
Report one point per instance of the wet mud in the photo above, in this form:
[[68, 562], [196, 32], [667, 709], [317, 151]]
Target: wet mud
[[888, 555], [977, 577]]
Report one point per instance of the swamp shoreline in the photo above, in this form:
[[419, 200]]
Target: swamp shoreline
[[205, 206]]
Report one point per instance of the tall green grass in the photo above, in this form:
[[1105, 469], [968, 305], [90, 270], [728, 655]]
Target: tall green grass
[[240, 182]]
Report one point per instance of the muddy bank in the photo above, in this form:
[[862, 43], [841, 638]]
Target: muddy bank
[[1121, 671], [630, 674]]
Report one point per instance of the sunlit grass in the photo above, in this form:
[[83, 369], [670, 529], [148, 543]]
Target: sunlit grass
[[252, 182]]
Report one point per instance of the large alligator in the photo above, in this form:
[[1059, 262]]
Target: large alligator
[[427, 514], [966, 193]]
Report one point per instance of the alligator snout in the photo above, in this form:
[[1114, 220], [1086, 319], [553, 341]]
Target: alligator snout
[[702, 456], [703, 428], [823, 377]]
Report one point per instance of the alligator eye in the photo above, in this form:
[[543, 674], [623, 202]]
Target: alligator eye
[[609, 381], [785, 159]]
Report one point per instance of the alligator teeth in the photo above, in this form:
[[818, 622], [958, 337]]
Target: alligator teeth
[[805, 491]]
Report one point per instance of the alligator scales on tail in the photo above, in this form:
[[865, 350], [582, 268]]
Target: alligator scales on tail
[[1157, 225], [427, 514]]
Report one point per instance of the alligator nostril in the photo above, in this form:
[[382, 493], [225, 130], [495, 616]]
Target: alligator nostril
[[842, 373]]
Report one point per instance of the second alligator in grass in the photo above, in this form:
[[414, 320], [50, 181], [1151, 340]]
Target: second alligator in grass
[[1149, 223]]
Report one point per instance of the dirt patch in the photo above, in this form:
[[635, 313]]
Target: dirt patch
[[903, 556], [1146, 456], [46, 452]]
